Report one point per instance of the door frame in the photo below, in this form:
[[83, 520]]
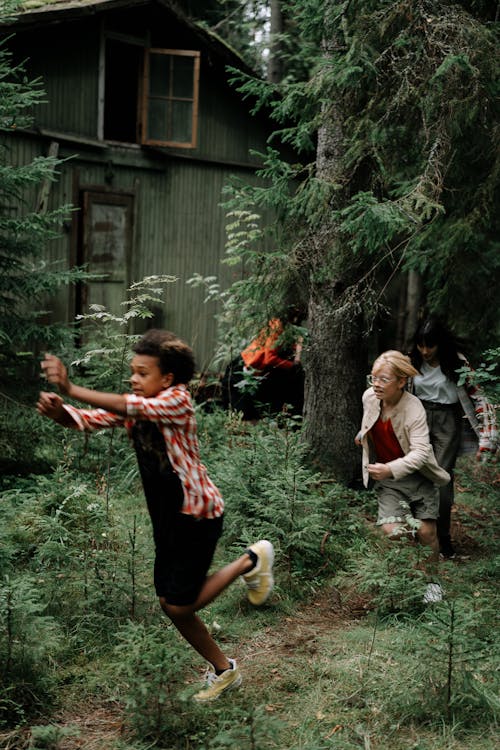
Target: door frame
[[87, 196]]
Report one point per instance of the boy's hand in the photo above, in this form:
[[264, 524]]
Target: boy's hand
[[56, 372], [50, 405]]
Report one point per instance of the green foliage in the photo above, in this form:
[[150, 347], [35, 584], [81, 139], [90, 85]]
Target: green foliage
[[369, 223], [486, 376], [279, 498], [408, 92], [50, 737], [29, 640], [25, 279], [393, 580], [459, 640], [152, 668], [252, 729], [104, 357], [64, 534]]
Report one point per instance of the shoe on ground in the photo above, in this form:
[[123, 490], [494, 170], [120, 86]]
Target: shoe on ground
[[433, 594], [259, 581], [217, 684], [446, 548]]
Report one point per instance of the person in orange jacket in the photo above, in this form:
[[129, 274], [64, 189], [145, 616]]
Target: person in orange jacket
[[267, 376]]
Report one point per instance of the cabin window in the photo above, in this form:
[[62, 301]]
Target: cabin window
[[150, 95], [123, 68], [170, 98]]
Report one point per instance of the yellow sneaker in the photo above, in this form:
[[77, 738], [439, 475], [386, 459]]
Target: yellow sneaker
[[219, 683], [259, 581]]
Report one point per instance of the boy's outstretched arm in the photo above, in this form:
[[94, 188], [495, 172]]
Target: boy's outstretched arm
[[51, 405], [57, 374]]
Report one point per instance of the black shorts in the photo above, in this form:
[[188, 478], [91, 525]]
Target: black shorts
[[184, 554]]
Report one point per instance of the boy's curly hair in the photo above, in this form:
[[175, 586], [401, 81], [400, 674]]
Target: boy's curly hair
[[174, 355]]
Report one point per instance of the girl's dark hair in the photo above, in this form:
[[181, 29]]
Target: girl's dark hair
[[174, 355], [431, 332]]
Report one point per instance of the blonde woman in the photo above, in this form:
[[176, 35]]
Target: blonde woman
[[398, 458]]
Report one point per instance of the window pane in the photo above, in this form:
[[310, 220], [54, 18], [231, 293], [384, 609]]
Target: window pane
[[158, 120], [107, 228], [170, 98], [182, 113], [183, 77], [159, 75]]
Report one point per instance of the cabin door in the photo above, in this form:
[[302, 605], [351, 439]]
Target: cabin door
[[106, 248]]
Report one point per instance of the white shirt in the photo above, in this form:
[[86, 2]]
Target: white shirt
[[433, 385]]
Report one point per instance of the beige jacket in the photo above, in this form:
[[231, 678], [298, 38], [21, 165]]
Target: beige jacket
[[409, 423]]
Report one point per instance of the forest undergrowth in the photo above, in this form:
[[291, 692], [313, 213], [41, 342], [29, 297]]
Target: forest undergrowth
[[344, 655]]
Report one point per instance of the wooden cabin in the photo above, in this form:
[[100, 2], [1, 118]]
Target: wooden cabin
[[139, 104]]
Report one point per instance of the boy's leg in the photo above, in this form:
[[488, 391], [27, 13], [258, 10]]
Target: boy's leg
[[194, 630], [255, 566], [221, 579], [226, 674], [258, 558], [181, 566]]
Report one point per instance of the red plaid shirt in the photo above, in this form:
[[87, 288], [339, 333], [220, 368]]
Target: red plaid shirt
[[173, 412]]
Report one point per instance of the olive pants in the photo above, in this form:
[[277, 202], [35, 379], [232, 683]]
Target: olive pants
[[445, 428]]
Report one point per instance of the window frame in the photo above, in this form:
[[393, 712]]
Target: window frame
[[195, 54]]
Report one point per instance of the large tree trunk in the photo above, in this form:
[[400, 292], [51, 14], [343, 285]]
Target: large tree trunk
[[413, 304], [275, 63], [335, 380], [336, 359]]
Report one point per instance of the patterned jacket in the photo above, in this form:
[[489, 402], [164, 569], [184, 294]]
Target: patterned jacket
[[172, 411]]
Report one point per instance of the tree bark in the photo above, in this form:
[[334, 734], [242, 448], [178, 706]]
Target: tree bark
[[275, 63], [413, 302], [335, 365], [335, 380]]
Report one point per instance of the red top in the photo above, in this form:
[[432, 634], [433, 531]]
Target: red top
[[385, 441]]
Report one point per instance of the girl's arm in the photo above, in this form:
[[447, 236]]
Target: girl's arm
[[57, 374]]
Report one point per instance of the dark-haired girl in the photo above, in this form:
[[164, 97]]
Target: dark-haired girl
[[436, 355]]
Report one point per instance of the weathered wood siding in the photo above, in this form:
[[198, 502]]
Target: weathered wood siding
[[67, 62], [179, 225]]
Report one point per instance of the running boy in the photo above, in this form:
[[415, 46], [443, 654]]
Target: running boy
[[185, 507]]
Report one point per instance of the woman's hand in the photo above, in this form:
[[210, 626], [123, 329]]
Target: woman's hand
[[56, 373], [379, 471]]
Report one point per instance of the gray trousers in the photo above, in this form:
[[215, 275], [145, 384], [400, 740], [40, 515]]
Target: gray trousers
[[445, 428]]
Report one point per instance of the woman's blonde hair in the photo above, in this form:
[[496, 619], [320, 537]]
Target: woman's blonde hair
[[399, 363]]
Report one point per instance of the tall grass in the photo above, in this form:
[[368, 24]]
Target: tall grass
[[345, 655]]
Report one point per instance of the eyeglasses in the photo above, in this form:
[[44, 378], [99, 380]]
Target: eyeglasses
[[372, 379]]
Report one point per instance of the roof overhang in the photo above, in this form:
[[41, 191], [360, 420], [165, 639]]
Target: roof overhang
[[33, 14]]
